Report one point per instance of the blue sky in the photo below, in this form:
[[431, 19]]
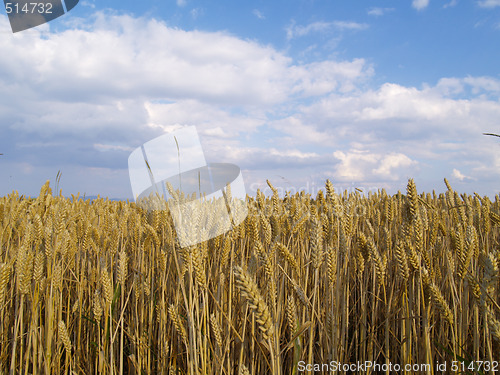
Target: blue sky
[[365, 93]]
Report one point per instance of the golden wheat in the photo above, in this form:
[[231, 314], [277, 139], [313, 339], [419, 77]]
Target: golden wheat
[[105, 287]]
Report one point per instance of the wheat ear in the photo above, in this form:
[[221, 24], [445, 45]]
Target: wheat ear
[[257, 303]]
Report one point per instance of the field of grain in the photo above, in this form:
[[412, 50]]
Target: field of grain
[[102, 288]]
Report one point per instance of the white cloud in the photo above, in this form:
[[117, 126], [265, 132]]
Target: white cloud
[[451, 4], [206, 117], [119, 81], [110, 74], [92, 93], [420, 4], [450, 86], [390, 102], [392, 162], [261, 157], [347, 25], [293, 154], [88, 4], [320, 78], [257, 13], [295, 31], [358, 165], [298, 132], [483, 84], [354, 165], [489, 3], [216, 132], [139, 56], [104, 71], [458, 175], [181, 3], [196, 13], [393, 101], [375, 11], [106, 147], [396, 131]]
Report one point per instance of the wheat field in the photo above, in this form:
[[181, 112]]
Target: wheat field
[[103, 287]]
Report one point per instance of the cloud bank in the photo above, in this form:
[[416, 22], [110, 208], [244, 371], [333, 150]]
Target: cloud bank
[[79, 100]]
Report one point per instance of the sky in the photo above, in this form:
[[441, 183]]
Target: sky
[[365, 93]]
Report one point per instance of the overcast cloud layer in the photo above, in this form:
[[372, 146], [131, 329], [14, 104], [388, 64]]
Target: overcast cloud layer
[[81, 100]]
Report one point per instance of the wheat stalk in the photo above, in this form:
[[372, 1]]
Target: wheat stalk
[[251, 293]]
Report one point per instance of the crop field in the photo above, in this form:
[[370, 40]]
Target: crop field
[[304, 283]]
